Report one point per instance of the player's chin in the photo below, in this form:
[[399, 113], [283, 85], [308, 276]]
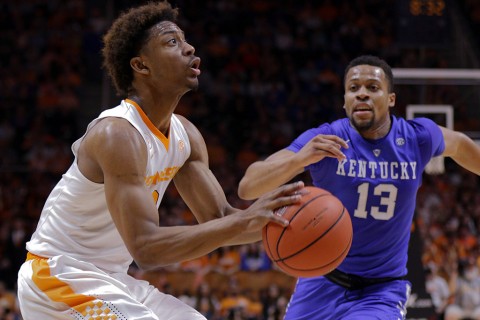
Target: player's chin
[[362, 124], [193, 84]]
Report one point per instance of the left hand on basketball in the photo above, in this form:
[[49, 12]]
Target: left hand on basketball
[[261, 211]]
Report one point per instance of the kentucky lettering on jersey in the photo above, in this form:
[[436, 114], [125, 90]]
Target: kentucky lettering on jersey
[[377, 169], [377, 183]]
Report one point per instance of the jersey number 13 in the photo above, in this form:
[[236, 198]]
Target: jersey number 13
[[388, 198]]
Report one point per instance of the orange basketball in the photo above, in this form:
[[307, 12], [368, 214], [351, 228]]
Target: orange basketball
[[317, 239]]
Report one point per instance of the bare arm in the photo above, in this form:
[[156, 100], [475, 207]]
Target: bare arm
[[203, 194], [282, 166], [196, 183], [122, 169], [463, 150]]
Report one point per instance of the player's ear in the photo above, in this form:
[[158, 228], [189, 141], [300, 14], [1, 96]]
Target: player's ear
[[391, 99], [138, 65]]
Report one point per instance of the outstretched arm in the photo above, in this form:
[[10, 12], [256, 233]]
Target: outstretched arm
[[284, 165], [463, 150], [263, 176]]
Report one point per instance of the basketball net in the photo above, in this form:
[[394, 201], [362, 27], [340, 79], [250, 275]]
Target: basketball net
[[436, 165]]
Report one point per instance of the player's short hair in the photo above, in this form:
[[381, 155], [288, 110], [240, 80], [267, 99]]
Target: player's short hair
[[372, 61], [127, 36]]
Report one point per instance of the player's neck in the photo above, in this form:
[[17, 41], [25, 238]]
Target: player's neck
[[158, 110], [375, 132]]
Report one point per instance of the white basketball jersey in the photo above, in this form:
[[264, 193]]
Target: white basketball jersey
[[75, 220]]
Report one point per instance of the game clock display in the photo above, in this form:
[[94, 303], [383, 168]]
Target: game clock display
[[427, 7], [423, 23]]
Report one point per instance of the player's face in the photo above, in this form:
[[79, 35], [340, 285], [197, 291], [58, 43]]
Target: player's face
[[367, 100], [171, 58]]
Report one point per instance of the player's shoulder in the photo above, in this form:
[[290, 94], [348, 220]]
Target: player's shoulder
[[113, 126], [423, 130], [191, 132], [335, 127], [182, 120], [329, 127], [113, 133], [340, 123], [417, 124], [189, 127], [110, 142]]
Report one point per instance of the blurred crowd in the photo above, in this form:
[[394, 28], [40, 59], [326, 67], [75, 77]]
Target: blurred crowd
[[270, 69]]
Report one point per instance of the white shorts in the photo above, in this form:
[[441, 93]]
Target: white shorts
[[65, 288]]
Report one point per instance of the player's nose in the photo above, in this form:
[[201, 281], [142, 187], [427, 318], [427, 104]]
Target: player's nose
[[362, 93], [188, 49]]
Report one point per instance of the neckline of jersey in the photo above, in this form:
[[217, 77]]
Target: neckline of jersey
[[157, 133]]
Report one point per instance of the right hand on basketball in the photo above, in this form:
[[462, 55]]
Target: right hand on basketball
[[262, 210], [322, 146]]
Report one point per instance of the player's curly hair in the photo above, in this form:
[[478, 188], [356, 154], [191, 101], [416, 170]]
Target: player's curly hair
[[127, 36], [376, 62]]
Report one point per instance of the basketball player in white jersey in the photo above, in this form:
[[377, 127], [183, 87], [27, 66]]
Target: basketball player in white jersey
[[103, 214]]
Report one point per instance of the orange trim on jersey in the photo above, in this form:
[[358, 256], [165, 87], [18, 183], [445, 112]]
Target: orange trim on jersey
[[149, 124], [56, 289], [31, 256]]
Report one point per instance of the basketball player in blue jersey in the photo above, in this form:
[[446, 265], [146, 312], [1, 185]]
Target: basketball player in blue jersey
[[373, 162], [103, 213]]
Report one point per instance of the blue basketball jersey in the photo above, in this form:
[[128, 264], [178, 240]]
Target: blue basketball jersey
[[377, 183]]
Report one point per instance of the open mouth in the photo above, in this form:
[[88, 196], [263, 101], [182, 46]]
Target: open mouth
[[362, 111], [362, 108], [195, 66]]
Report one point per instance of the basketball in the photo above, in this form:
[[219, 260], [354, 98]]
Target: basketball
[[317, 239]]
